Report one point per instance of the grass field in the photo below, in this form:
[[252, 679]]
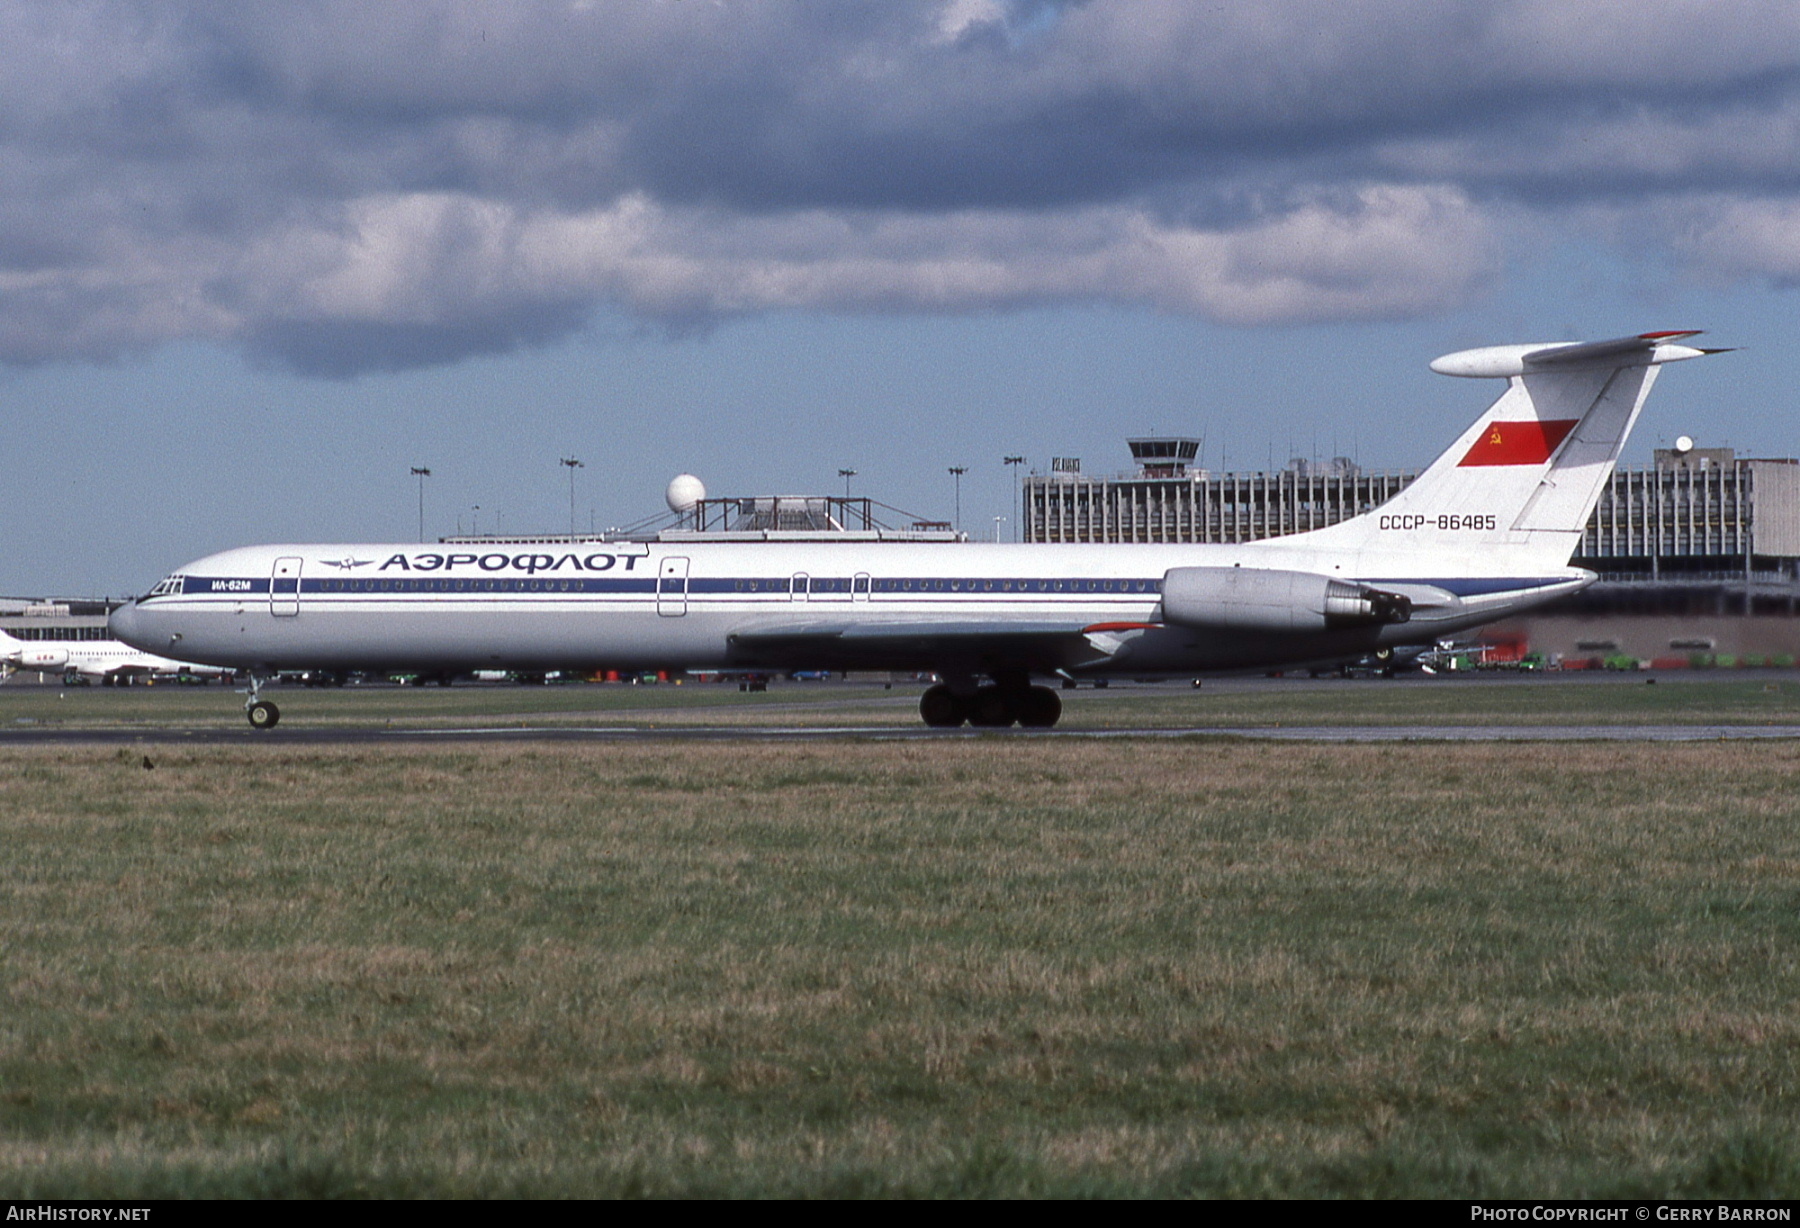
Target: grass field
[[998, 966], [1697, 698]]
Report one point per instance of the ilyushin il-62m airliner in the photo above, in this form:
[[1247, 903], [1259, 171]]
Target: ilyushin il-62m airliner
[[1485, 532]]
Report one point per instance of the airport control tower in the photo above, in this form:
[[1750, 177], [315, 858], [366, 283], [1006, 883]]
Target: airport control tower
[[1163, 456]]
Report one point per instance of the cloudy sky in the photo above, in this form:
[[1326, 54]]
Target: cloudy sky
[[257, 261]]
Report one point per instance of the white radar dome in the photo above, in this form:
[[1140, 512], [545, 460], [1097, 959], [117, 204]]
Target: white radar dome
[[1684, 445], [684, 491]]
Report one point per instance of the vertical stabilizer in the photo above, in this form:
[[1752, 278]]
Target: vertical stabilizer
[[1524, 478]]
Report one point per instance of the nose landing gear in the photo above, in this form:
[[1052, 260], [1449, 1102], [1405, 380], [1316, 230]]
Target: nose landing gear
[[261, 713]]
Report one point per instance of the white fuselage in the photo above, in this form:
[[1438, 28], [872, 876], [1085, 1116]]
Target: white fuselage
[[942, 606]]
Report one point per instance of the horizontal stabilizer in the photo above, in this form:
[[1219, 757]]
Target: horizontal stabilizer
[[1593, 351], [1503, 361]]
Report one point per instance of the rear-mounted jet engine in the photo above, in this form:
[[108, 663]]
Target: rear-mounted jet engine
[[1261, 599]]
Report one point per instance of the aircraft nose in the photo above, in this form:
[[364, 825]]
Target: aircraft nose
[[126, 623]]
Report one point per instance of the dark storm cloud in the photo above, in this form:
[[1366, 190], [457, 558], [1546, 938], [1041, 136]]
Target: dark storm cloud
[[357, 186]]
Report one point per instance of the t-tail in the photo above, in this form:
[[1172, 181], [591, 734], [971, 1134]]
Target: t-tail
[[1516, 490]]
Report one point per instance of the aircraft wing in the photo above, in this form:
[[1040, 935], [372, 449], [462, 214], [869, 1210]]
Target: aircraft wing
[[976, 646]]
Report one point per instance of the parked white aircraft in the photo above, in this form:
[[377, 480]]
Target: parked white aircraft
[[107, 660], [1485, 532]]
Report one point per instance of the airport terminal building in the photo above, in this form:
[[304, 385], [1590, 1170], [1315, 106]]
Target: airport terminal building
[[1698, 554], [55, 618]]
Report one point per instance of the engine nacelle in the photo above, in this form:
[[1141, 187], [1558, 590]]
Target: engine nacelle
[[1260, 599]]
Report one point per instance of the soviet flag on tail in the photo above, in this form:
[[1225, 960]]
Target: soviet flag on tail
[[1518, 443]]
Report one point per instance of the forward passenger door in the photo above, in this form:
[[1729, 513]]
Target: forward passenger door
[[284, 588], [672, 588]]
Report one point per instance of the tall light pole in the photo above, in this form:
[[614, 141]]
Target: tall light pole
[[573, 465], [421, 474], [475, 521], [998, 521], [1013, 463], [956, 471], [846, 474]]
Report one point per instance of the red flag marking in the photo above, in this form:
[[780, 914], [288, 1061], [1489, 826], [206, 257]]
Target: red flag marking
[[1518, 443]]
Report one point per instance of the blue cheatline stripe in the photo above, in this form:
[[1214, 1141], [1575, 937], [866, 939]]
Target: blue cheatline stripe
[[840, 587], [918, 586], [228, 586], [444, 586]]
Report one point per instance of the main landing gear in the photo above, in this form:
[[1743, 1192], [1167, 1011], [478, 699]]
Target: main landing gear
[[261, 713], [1009, 701]]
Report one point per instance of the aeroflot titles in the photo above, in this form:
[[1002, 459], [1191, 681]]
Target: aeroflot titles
[[528, 563]]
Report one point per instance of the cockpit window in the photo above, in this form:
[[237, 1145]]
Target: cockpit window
[[164, 588]]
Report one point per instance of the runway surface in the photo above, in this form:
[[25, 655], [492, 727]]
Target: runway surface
[[378, 715], [816, 733]]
